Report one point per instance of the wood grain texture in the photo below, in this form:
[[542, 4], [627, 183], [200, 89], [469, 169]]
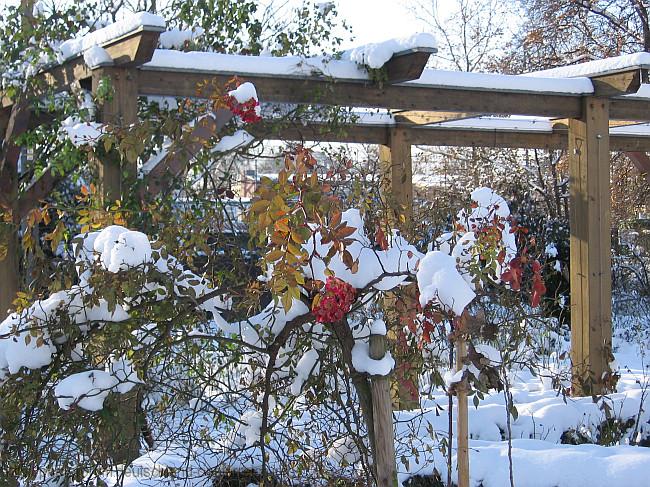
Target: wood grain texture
[[590, 242]]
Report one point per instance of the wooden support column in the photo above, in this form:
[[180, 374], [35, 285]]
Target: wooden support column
[[397, 196], [591, 286], [115, 177], [385, 469], [397, 168]]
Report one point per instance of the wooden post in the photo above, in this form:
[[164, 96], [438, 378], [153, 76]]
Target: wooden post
[[397, 195], [115, 179], [591, 286], [385, 469], [397, 168], [462, 419]]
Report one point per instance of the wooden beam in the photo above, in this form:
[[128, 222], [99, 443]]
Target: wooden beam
[[121, 110], [622, 83], [408, 65], [590, 241], [419, 117], [129, 51], [641, 161], [175, 163], [438, 136], [357, 94], [134, 49]]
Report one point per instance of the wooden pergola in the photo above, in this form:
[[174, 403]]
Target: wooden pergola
[[588, 118]]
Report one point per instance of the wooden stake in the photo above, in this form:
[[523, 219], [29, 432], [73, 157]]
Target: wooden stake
[[462, 420], [385, 468], [591, 286]]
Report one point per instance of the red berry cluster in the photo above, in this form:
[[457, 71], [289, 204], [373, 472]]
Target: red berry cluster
[[247, 111], [335, 302]]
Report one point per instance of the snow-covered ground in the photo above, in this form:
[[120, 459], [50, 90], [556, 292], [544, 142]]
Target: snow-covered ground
[[541, 457]]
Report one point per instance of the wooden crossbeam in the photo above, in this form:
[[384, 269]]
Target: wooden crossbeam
[[131, 50], [622, 83], [175, 163], [641, 162], [134, 49], [357, 94], [407, 65], [437, 136], [420, 117]]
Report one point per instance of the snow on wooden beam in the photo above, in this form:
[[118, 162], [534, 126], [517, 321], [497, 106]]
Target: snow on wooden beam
[[600, 67], [408, 96], [133, 49]]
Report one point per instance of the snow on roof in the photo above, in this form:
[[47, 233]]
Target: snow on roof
[[638, 60], [129, 24], [299, 67]]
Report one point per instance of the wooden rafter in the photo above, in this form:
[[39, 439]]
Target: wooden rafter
[[622, 83], [407, 65]]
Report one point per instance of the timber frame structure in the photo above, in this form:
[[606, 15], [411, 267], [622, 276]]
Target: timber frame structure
[[585, 121]]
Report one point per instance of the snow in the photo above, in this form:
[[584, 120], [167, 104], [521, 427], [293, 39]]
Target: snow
[[502, 82], [97, 56], [301, 67], [126, 376], [82, 133], [23, 349], [85, 389], [130, 23], [123, 249], [244, 92], [440, 282], [638, 60], [378, 327], [375, 55], [344, 450], [362, 361], [304, 368], [551, 250], [400, 258], [177, 38], [251, 427], [517, 123], [228, 143]]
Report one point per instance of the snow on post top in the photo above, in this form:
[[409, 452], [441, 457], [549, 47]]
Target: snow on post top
[[601, 67], [375, 55], [74, 47]]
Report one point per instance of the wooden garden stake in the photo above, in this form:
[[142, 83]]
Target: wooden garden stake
[[385, 468], [462, 433]]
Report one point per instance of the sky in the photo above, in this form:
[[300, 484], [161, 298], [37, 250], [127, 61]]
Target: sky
[[378, 20], [370, 20]]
